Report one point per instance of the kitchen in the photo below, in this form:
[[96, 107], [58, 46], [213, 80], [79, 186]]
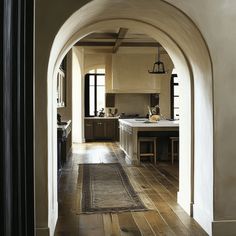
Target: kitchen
[[118, 86], [105, 84], [119, 114]]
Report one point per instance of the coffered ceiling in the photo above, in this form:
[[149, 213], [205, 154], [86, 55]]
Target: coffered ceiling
[[116, 38]]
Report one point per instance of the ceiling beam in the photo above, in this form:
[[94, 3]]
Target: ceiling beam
[[112, 44], [121, 36], [140, 44], [95, 44], [101, 36]]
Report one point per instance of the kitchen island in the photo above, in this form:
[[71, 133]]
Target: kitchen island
[[131, 129]]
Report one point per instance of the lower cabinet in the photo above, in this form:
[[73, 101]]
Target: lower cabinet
[[126, 139], [65, 149], [111, 128], [101, 129], [88, 129], [64, 143]]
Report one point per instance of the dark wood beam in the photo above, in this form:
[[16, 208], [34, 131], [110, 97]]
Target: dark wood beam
[[101, 36], [112, 44], [140, 44], [95, 44], [121, 36]]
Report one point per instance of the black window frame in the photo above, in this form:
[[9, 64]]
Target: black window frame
[[172, 96], [87, 95]]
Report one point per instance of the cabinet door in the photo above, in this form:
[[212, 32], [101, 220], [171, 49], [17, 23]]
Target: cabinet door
[[110, 129], [117, 130], [154, 99], [88, 130], [99, 129], [110, 100]]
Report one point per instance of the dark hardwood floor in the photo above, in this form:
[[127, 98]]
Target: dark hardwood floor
[[157, 187]]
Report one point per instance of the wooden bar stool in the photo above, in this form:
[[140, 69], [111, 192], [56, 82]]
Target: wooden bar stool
[[152, 152], [174, 140]]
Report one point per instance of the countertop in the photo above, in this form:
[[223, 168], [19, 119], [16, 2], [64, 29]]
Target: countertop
[[140, 123], [98, 117]]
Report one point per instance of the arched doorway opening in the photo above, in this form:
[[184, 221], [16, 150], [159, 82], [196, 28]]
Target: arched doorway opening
[[188, 51]]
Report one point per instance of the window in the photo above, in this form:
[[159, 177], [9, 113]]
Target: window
[[94, 92], [175, 96]]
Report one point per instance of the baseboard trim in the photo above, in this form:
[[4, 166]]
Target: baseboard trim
[[50, 230], [42, 232], [203, 218], [224, 227]]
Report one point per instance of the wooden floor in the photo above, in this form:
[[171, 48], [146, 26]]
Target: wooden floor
[[157, 186]]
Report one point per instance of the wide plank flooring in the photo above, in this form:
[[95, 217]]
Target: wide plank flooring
[[157, 186]]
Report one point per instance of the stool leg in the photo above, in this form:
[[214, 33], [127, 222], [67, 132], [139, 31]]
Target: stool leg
[[139, 143], [172, 152], [155, 152]]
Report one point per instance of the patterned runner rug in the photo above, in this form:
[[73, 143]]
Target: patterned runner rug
[[106, 188]]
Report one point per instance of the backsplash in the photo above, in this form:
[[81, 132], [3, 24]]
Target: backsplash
[[132, 103]]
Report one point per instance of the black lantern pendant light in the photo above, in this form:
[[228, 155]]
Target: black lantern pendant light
[[158, 67]]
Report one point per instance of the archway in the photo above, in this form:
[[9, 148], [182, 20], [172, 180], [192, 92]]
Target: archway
[[187, 49]]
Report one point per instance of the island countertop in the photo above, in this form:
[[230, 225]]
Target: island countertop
[[143, 123], [130, 129], [102, 117]]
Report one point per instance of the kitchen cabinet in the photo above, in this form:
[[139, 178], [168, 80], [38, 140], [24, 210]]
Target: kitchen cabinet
[[64, 142], [154, 99], [110, 100], [88, 129], [126, 134], [101, 129], [111, 129]]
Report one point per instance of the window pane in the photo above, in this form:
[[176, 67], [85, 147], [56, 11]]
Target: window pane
[[176, 102], [91, 80], [100, 97], [100, 80], [101, 71], [91, 101], [176, 90], [176, 80]]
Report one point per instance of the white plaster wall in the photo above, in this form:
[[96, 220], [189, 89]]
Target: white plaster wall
[[183, 35], [216, 20], [77, 94], [94, 60]]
